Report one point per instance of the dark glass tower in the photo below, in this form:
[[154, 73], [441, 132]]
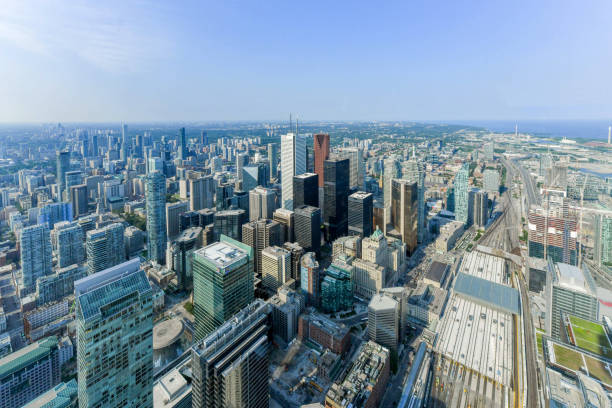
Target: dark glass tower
[[306, 190], [336, 191], [360, 217], [308, 227], [182, 144]]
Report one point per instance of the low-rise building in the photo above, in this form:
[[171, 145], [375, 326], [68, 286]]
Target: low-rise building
[[323, 331], [449, 233]]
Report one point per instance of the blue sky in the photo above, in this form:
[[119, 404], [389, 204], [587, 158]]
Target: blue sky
[[230, 60]]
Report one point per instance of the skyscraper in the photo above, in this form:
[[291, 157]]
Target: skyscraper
[[229, 222], [306, 190], [223, 283], [204, 138], [293, 162], [259, 235], [602, 246], [155, 198], [182, 144], [262, 203], [63, 166], [173, 213], [309, 278], [68, 239], [254, 175], [360, 214], [383, 321], [201, 192], [242, 159], [321, 153], [462, 194], [336, 192], [273, 159], [36, 254], [105, 247], [481, 208], [491, 181], [124, 143], [78, 199], [286, 218], [414, 172], [307, 220], [114, 316], [230, 365], [552, 235], [276, 267], [391, 171], [404, 208], [356, 165]]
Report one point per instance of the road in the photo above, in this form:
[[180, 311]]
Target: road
[[532, 196]]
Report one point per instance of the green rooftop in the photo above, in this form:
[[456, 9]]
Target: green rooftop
[[591, 336], [26, 356]]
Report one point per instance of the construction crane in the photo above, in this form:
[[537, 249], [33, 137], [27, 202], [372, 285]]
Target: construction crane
[[586, 178]]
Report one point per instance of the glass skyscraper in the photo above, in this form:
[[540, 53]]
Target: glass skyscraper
[[336, 191], [462, 194], [293, 162], [155, 196], [36, 254]]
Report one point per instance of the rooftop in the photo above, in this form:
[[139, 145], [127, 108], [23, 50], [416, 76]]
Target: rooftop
[[60, 396], [26, 356], [381, 302], [484, 266], [360, 195], [437, 272], [488, 293], [305, 175], [573, 278], [167, 333], [222, 254]]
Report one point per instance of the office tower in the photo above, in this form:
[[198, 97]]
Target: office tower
[[202, 192], [293, 162], [552, 235], [383, 321], [337, 288], [262, 203], [450, 199], [306, 190], [242, 159], [481, 208], [488, 151], [32, 370], [155, 198], [404, 208], [273, 159], [573, 291], [78, 199], [182, 144], [414, 172], [296, 251], [36, 254], [321, 153], [105, 247], [229, 222], [114, 324], [307, 228], [275, 267], [173, 212], [223, 283], [360, 214], [223, 193], [602, 246], [134, 241], [73, 178], [462, 194], [356, 167], [309, 278], [62, 167], [287, 306], [68, 240], [230, 366], [491, 181], [286, 219], [54, 212], [259, 235], [336, 193], [124, 143], [254, 175], [391, 171], [179, 257], [204, 138], [94, 145]]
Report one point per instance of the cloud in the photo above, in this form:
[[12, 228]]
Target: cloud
[[111, 36]]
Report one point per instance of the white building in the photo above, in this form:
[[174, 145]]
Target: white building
[[293, 162]]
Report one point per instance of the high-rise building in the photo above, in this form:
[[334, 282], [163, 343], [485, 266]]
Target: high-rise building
[[230, 365], [33, 370], [287, 306], [602, 246], [337, 288], [309, 278], [360, 214], [229, 222], [572, 291], [202, 192], [552, 235], [293, 162], [78, 199], [104, 247], [356, 167], [51, 213], [491, 181], [179, 256], [369, 278], [488, 151], [296, 258], [254, 175], [68, 240], [273, 159], [275, 267], [242, 159], [307, 228], [155, 198], [63, 166], [391, 171], [336, 192], [114, 320], [182, 144], [286, 218], [321, 153], [173, 213], [36, 254], [204, 138], [259, 235], [223, 283], [383, 321], [462, 194], [404, 209], [481, 208], [306, 190], [262, 203], [414, 172]]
